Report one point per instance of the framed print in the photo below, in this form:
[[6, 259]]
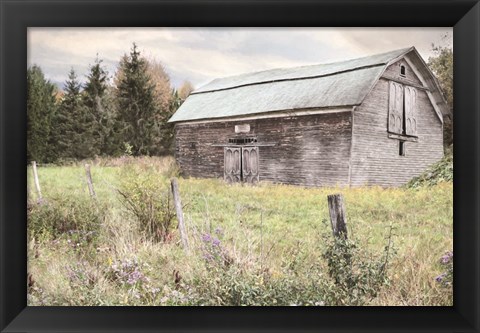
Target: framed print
[[277, 128]]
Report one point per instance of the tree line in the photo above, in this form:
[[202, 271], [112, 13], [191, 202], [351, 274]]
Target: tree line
[[101, 117]]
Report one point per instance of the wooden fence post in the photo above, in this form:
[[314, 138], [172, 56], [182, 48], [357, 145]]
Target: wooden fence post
[[178, 208], [35, 177], [89, 180], [338, 216]]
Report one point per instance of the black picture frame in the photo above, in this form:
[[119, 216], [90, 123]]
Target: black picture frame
[[16, 16]]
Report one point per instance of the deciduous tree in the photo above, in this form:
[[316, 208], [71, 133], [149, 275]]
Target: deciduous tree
[[441, 65]]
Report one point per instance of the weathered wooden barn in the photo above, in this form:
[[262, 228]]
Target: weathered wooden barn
[[376, 120]]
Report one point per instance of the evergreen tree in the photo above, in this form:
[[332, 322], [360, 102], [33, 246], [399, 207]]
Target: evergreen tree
[[136, 107], [98, 102], [40, 111], [74, 123], [167, 129], [112, 144]]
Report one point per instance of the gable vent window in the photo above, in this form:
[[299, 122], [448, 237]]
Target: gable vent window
[[401, 148], [402, 71], [402, 109], [240, 141]]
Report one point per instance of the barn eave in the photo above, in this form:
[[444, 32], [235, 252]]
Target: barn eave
[[272, 114]]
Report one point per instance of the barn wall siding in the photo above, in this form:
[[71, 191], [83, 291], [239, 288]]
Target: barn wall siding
[[308, 150], [375, 156], [393, 71]]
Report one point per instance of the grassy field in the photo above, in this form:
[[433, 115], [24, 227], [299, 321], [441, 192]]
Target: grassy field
[[249, 245]]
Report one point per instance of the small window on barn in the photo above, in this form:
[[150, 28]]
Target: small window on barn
[[402, 71], [401, 148]]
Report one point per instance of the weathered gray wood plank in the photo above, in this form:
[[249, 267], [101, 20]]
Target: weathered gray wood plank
[[89, 181], [338, 215], [36, 181], [178, 208]]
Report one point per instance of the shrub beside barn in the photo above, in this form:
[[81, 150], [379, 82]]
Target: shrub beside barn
[[376, 120]]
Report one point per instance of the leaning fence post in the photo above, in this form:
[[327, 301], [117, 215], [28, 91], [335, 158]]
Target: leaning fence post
[[338, 216], [35, 178], [89, 180], [178, 208]]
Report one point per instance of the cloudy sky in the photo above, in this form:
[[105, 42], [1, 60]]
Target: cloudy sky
[[202, 54]]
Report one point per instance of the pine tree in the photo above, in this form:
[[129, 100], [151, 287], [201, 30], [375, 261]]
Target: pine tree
[[98, 103], [74, 123], [167, 129], [136, 107], [41, 109]]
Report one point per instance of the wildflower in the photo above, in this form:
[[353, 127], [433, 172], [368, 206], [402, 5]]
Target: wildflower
[[215, 242], [445, 259], [219, 231], [440, 277], [154, 290], [206, 238], [208, 257], [164, 299]]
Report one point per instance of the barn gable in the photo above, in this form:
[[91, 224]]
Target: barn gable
[[397, 130], [341, 84], [401, 70]]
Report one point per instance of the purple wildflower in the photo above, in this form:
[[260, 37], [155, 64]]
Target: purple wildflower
[[208, 257], [445, 259], [440, 277], [215, 242], [206, 238], [219, 231]]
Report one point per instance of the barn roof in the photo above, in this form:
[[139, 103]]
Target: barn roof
[[337, 84]]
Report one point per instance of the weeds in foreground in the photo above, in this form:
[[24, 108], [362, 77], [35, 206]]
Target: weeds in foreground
[[356, 273], [445, 279], [78, 217], [148, 199]]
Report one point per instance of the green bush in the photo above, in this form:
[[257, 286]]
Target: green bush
[[78, 217], [146, 195]]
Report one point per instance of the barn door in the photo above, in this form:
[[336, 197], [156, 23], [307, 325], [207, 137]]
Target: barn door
[[395, 109], [250, 164], [233, 168], [410, 107], [241, 164]]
